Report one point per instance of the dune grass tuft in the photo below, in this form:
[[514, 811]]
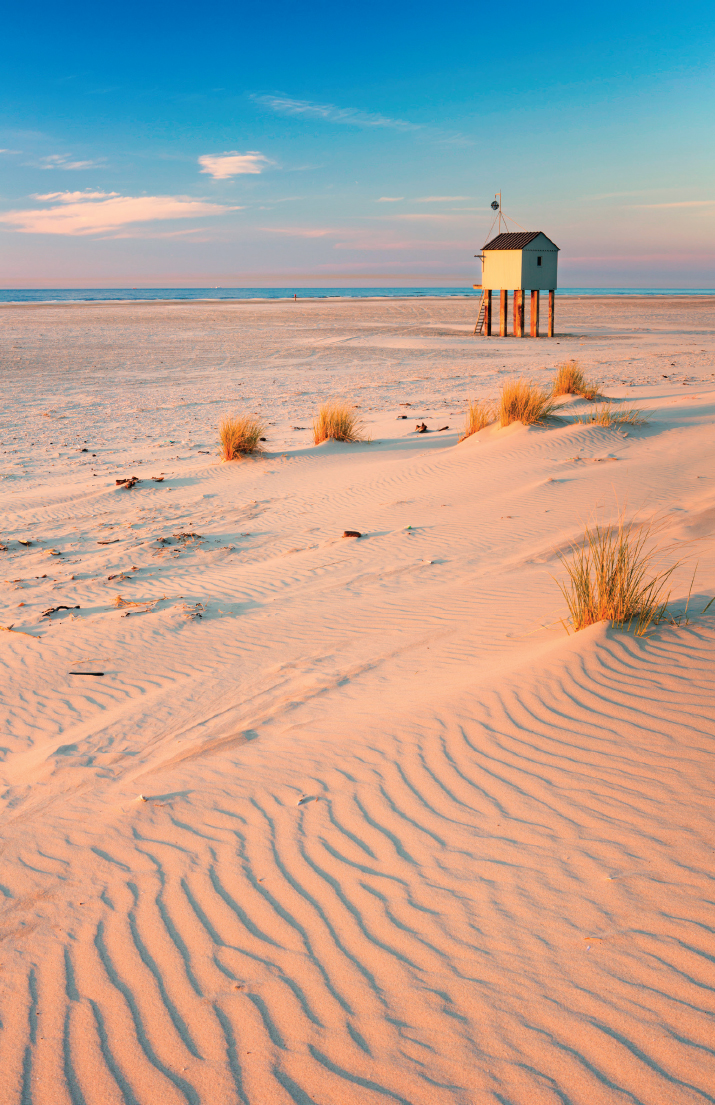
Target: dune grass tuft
[[605, 415], [523, 401], [239, 436], [477, 415], [570, 380], [336, 421], [614, 575]]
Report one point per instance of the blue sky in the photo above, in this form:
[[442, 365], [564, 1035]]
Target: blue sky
[[279, 143]]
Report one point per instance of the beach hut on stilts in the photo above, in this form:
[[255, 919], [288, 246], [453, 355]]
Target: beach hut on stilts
[[516, 262]]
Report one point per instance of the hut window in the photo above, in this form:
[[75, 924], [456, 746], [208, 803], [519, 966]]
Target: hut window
[[538, 260]]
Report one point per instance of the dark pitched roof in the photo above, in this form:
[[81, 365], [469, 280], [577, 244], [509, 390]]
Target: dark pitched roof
[[517, 240]]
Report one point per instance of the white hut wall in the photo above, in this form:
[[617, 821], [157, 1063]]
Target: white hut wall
[[501, 268]]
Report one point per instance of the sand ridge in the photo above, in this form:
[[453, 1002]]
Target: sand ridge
[[399, 837]]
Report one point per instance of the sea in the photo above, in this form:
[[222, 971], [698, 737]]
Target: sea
[[150, 295]]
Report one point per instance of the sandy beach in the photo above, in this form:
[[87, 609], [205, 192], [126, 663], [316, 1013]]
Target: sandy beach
[[349, 821]]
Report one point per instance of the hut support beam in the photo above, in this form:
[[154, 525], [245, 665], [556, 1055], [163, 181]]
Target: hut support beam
[[488, 313], [502, 312], [551, 313], [518, 313], [534, 314]]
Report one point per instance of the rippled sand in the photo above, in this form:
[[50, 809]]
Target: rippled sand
[[348, 821]]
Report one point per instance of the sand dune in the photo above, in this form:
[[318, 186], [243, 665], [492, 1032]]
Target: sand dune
[[348, 820]]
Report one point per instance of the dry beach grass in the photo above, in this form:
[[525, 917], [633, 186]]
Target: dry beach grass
[[570, 380], [613, 574], [523, 401], [239, 436], [608, 415], [336, 421], [478, 416]]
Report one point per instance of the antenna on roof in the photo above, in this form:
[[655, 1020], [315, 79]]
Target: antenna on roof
[[496, 206], [500, 217]]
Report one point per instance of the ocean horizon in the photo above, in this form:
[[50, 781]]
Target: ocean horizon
[[139, 295]]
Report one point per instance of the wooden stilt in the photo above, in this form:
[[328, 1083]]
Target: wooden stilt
[[551, 313], [503, 294], [518, 313], [488, 313], [534, 314]]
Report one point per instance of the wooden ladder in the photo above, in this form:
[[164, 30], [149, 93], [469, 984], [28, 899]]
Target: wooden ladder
[[479, 324]]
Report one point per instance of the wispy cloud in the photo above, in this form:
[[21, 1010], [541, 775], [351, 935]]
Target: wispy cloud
[[390, 199], [420, 216], [194, 233], [302, 231], [356, 117], [106, 213], [72, 197], [223, 166], [352, 116], [375, 243], [360, 238], [443, 199], [615, 195], [680, 203], [65, 161]]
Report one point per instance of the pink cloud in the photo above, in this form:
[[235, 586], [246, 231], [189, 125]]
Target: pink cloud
[[301, 231], [363, 239], [72, 197], [223, 166], [680, 203], [81, 213], [422, 216], [378, 244]]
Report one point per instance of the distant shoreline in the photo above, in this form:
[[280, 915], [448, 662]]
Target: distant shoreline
[[47, 296]]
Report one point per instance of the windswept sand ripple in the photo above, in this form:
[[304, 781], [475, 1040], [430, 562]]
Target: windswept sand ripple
[[373, 829]]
